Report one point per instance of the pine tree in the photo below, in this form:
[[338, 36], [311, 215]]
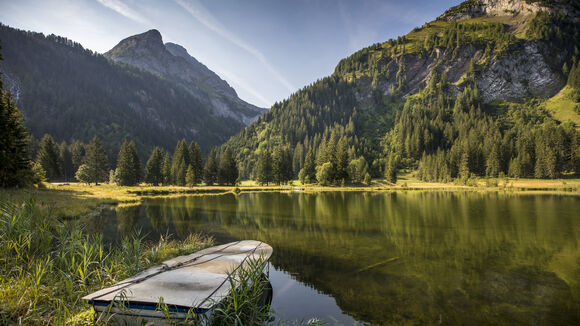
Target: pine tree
[[196, 161], [342, 160], [66, 163], [391, 169], [190, 176], [97, 164], [78, 154], [15, 165], [281, 165], [166, 169], [308, 172], [179, 163], [128, 171], [154, 167], [264, 167], [48, 156], [210, 169], [228, 169]]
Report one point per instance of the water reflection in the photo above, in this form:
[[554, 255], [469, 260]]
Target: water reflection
[[401, 258]]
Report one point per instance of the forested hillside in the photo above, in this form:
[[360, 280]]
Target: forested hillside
[[469, 94], [75, 94]]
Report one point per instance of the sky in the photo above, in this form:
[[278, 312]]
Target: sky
[[265, 49]]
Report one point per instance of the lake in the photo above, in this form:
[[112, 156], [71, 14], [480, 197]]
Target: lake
[[451, 258]]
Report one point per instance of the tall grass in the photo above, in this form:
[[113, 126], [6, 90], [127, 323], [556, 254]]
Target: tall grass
[[47, 265]]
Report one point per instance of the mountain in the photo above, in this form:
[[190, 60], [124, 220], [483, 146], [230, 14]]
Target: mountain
[[481, 90], [74, 94], [172, 62]]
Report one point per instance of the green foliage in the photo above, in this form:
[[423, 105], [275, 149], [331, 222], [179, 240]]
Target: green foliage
[[190, 177], [47, 265], [557, 32], [210, 170], [325, 174], [181, 159], [228, 169], [66, 162], [48, 157], [391, 168], [196, 160], [454, 138], [16, 168], [308, 172], [264, 167], [154, 167], [281, 165], [128, 172], [96, 162], [358, 170], [83, 174]]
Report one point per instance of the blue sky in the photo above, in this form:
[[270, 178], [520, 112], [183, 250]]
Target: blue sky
[[265, 49]]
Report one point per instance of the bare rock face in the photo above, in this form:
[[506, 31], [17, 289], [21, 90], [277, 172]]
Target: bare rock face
[[172, 62], [492, 8], [522, 74]]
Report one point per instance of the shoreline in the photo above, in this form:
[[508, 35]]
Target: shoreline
[[75, 199]]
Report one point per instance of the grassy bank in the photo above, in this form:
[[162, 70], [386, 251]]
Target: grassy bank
[[47, 265], [76, 199]]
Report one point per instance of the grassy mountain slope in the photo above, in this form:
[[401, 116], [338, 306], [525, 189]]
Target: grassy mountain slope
[[75, 94], [496, 68]]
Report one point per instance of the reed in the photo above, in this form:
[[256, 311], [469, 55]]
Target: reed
[[47, 265]]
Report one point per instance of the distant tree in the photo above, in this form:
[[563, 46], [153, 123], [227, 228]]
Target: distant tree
[[357, 170], [464, 168], [179, 163], [66, 163], [84, 174], [341, 155], [166, 169], [391, 168], [281, 165], [324, 174], [78, 154], [297, 159], [48, 156], [264, 167], [97, 163], [190, 176], [128, 172], [211, 169], [308, 172], [196, 160], [154, 167], [15, 165], [228, 169]]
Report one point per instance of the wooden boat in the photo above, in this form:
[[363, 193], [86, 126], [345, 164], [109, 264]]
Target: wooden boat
[[186, 284]]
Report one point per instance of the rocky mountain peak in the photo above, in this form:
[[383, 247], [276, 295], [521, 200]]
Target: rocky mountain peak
[[491, 8], [173, 62]]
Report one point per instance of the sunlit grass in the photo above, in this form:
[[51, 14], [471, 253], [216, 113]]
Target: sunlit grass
[[561, 106], [47, 265]]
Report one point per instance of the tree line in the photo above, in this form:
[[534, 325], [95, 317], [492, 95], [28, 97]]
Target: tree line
[[89, 163]]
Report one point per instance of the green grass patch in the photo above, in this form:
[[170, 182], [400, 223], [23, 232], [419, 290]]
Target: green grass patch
[[562, 106]]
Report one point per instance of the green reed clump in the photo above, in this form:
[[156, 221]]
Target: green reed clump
[[246, 302], [47, 266]]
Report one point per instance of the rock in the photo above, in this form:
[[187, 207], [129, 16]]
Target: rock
[[172, 62]]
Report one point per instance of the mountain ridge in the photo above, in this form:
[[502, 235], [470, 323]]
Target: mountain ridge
[[74, 94], [394, 101], [172, 61]]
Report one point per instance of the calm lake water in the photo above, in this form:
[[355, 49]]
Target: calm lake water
[[406, 258]]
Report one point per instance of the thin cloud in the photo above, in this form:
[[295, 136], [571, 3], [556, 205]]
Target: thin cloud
[[124, 10], [242, 84], [198, 11]]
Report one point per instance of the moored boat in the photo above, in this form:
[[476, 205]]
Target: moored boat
[[189, 286]]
